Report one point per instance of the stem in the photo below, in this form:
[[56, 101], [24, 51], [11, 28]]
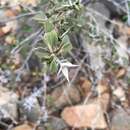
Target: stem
[[18, 17], [16, 49]]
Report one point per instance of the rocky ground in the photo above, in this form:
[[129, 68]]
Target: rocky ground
[[98, 95]]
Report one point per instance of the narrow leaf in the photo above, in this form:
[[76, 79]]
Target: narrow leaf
[[51, 38], [66, 48], [48, 26], [66, 39], [53, 66]]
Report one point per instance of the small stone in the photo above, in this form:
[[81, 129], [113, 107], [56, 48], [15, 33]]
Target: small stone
[[120, 94], [103, 87], [6, 29], [121, 73], [85, 86], [90, 116], [65, 95], [1, 32], [10, 40], [17, 59], [104, 101], [103, 94], [23, 127], [10, 13], [10, 27]]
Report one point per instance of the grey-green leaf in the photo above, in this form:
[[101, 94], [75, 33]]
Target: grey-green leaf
[[67, 46], [53, 66], [66, 39], [40, 17], [42, 55], [51, 38], [48, 26]]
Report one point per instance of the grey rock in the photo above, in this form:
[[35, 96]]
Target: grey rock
[[105, 10], [55, 123], [121, 120], [100, 12], [65, 95], [8, 104], [115, 7], [30, 108]]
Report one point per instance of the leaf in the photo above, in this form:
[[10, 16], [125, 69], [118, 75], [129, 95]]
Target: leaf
[[43, 55], [40, 17], [51, 38], [48, 26], [81, 20], [27, 28], [53, 66], [67, 44], [44, 1], [125, 18], [66, 39], [66, 48]]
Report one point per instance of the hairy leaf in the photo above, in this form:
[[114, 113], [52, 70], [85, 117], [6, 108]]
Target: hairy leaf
[[51, 38]]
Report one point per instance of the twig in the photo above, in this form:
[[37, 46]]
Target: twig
[[77, 71], [29, 54], [72, 55], [18, 17], [16, 49]]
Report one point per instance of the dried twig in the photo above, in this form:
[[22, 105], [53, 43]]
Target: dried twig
[[38, 38], [18, 17]]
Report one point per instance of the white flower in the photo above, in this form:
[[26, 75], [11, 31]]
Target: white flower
[[64, 68]]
